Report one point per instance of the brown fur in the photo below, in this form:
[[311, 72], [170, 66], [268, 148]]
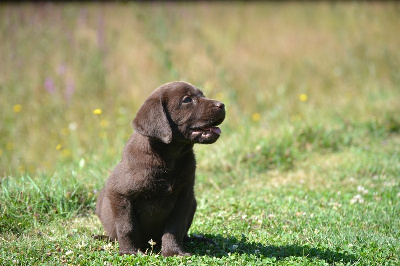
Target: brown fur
[[149, 194]]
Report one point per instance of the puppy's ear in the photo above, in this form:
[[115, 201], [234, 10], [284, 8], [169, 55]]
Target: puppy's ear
[[151, 120]]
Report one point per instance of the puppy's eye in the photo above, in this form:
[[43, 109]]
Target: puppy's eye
[[187, 99]]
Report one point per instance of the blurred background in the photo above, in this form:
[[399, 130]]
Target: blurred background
[[73, 75]]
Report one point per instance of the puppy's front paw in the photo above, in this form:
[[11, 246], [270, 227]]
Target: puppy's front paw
[[184, 254], [170, 252]]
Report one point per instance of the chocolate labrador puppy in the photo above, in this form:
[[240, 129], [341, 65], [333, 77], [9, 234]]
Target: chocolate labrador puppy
[[149, 195]]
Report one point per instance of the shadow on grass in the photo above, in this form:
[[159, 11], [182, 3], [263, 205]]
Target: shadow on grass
[[233, 245]]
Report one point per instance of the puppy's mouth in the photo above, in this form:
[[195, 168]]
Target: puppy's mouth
[[205, 134], [206, 130]]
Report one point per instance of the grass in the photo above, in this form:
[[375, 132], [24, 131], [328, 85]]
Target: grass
[[307, 167]]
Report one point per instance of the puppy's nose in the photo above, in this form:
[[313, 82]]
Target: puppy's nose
[[219, 105]]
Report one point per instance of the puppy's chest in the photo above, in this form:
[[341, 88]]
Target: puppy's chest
[[166, 184], [168, 178]]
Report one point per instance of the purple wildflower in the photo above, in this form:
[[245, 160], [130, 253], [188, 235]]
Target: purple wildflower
[[49, 85]]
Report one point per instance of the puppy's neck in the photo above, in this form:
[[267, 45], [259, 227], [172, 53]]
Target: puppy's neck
[[171, 152]]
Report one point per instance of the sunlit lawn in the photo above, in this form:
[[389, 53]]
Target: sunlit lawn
[[307, 168]]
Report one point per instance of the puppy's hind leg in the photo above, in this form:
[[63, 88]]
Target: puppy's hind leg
[[105, 214], [126, 226]]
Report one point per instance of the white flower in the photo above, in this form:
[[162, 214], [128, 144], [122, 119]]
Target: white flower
[[357, 199], [152, 242], [69, 252], [82, 163], [362, 190], [81, 245], [108, 246], [72, 126]]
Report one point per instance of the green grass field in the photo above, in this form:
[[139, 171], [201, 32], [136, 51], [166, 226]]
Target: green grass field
[[307, 170]]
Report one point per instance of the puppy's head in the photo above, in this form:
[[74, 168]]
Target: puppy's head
[[179, 111]]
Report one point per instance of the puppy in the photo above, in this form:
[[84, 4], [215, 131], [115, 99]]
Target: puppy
[[150, 193]]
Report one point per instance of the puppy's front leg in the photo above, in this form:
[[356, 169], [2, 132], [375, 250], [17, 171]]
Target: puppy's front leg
[[176, 227], [127, 227]]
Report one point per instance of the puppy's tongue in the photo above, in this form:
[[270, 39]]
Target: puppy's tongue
[[216, 130]]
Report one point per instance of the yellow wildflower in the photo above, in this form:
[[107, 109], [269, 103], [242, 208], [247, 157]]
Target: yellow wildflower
[[46, 164], [1, 152], [58, 147], [97, 111], [21, 169], [66, 153], [303, 97], [10, 146], [17, 108], [64, 131], [256, 117], [104, 123]]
